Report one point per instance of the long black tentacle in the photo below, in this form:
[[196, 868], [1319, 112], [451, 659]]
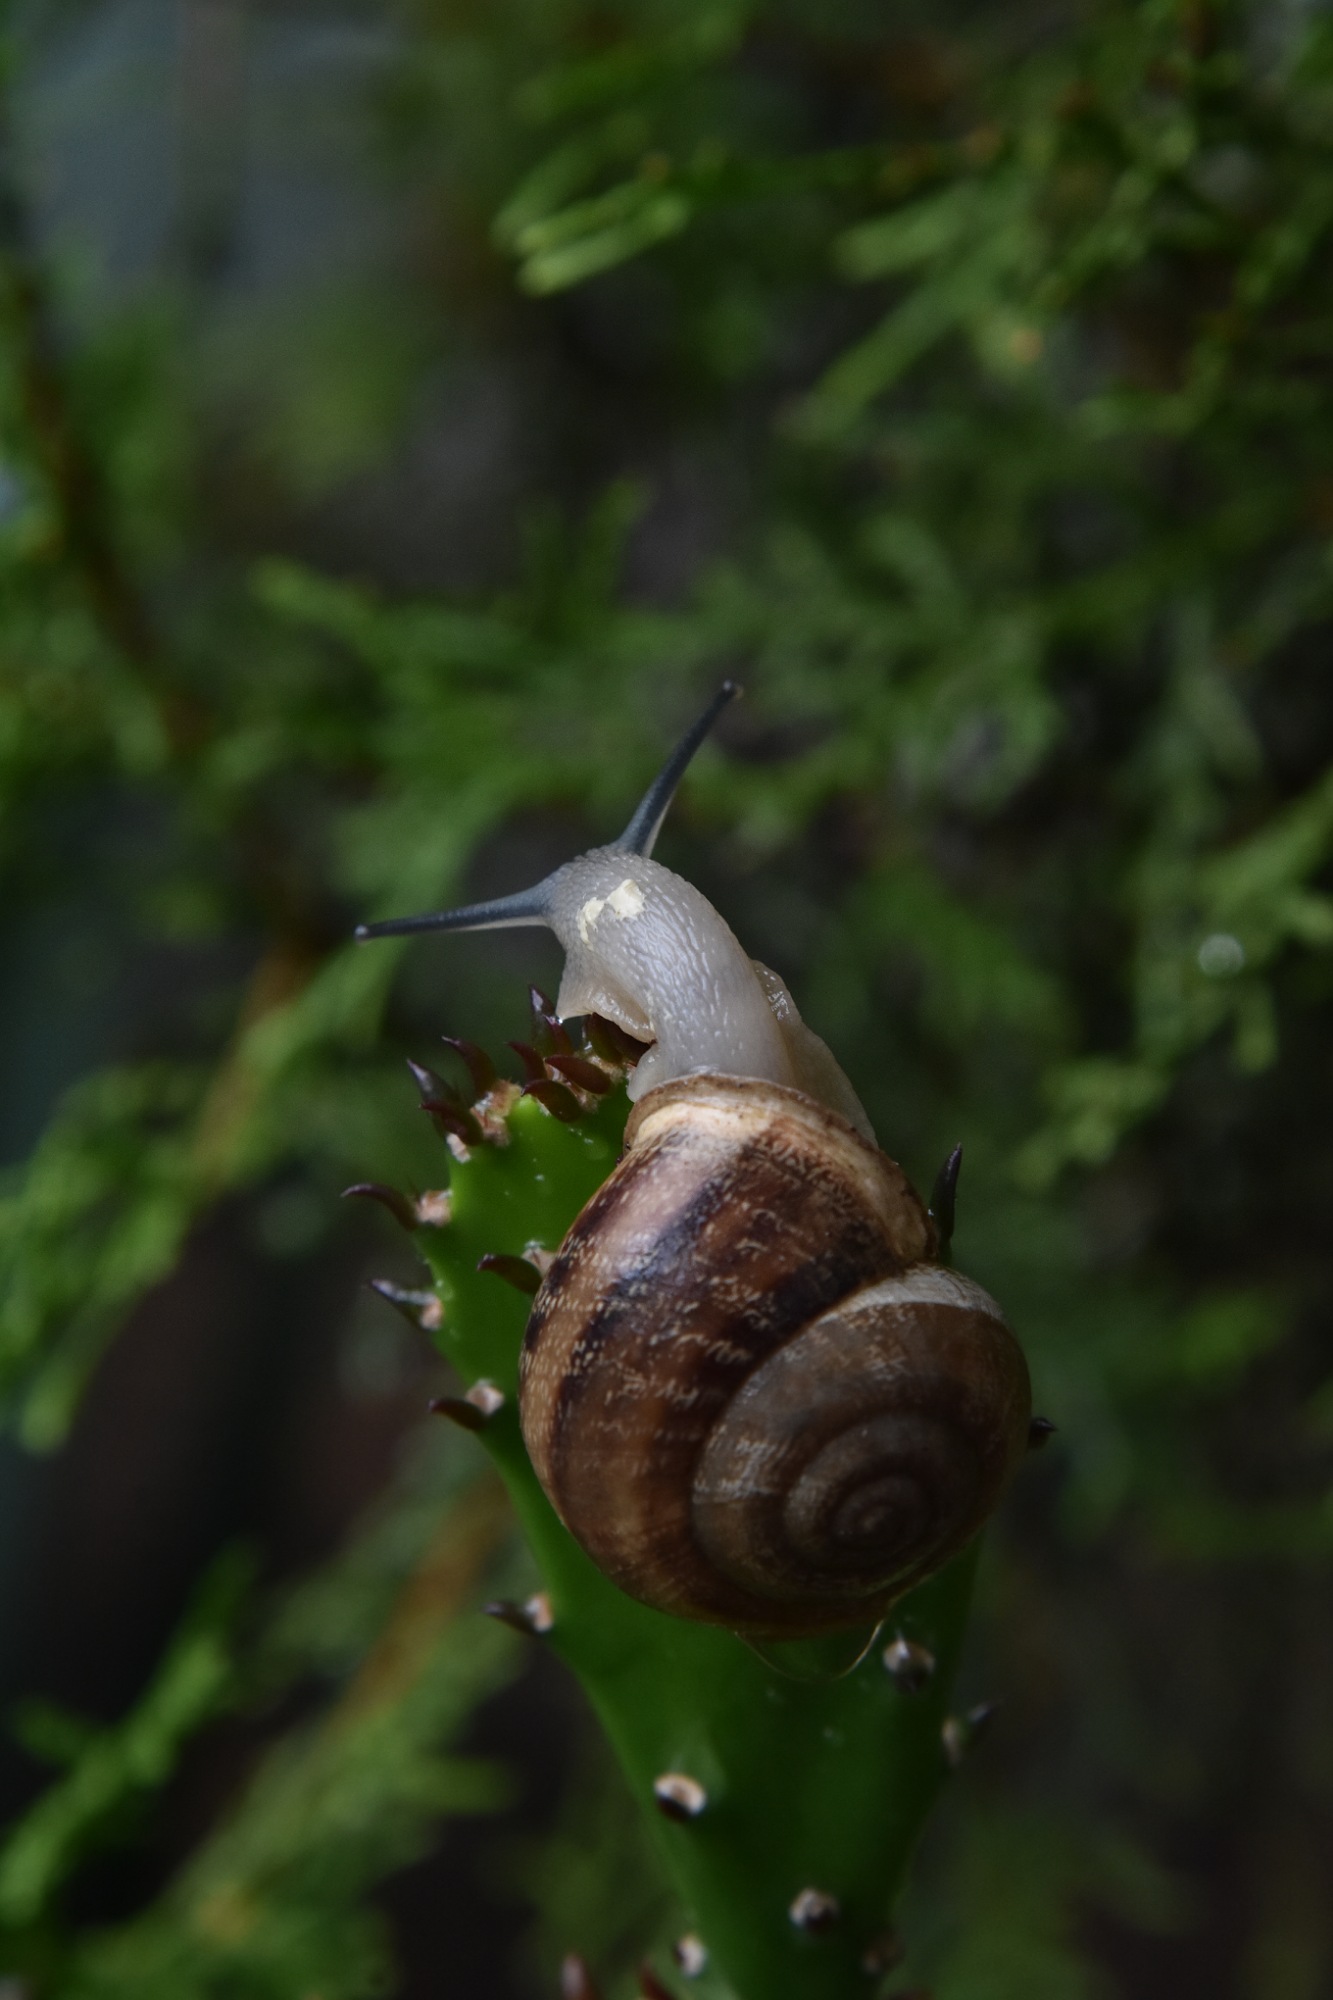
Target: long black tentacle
[[532, 906], [528, 906], [640, 835]]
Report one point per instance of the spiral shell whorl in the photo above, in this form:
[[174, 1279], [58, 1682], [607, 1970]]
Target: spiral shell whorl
[[862, 1454], [745, 1391]]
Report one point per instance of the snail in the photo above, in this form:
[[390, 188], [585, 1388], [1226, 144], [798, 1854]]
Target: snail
[[749, 1387]]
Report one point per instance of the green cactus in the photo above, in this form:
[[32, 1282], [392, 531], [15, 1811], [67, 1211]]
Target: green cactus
[[811, 1790]]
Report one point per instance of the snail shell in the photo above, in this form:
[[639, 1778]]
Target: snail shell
[[746, 1388]]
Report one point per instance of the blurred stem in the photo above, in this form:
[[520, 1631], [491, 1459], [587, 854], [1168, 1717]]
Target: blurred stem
[[435, 1594], [234, 1092], [228, 1887]]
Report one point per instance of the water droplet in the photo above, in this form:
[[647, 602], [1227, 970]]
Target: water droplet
[[1221, 956]]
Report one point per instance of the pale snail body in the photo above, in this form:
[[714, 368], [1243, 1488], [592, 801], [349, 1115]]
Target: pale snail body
[[645, 949], [748, 1388]]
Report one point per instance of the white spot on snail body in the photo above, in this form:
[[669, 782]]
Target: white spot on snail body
[[589, 914], [625, 902]]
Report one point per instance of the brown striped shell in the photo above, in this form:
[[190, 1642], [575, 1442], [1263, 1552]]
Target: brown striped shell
[[747, 1388]]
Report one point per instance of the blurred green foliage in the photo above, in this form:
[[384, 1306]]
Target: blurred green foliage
[[271, 1900], [999, 346]]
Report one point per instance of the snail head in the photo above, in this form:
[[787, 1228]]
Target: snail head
[[645, 949]]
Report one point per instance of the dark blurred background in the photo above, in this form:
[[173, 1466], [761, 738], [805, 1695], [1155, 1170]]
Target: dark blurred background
[[406, 414]]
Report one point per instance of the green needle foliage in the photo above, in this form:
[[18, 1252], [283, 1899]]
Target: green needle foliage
[[277, 1895], [112, 1769]]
